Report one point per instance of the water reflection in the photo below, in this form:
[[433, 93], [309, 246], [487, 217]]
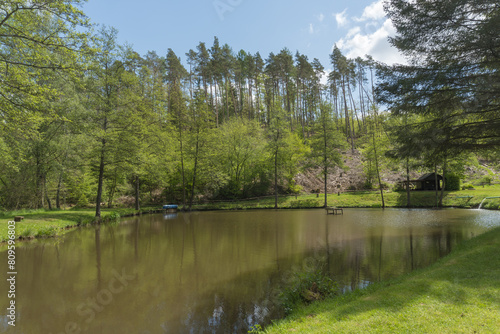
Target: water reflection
[[218, 272]]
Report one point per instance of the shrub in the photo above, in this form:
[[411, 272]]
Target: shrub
[[294, 189], [306, 287], [48, 231], [27, 233], [368, 185], [304, 203], [452, 182], [398, 187], [466, 186], [113, 216], [486, 179], [82, 201]]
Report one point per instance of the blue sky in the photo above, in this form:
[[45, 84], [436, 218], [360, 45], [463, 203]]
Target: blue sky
[[312, 27]]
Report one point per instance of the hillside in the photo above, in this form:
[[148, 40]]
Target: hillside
[[353, 177]]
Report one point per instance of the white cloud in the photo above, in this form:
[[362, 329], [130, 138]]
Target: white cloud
[[341, 18], [353, 31], [356, 43], [321, 17], [374, 11], [311, 28], [324, 78]]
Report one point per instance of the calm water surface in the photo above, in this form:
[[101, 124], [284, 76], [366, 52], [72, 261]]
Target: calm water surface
[[216, 272]]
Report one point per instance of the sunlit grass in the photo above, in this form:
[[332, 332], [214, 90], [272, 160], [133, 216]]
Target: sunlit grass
[[368, 199], [45, 223]]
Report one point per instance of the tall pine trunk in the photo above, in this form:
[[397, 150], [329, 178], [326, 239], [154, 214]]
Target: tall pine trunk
[[325, 165], [182, 172]]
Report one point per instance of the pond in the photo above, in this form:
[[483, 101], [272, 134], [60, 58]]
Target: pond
[[217, 272]]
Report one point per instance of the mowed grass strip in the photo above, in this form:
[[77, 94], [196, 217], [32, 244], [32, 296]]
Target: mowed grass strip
[[458, 294], [45, 223], [367, 199]]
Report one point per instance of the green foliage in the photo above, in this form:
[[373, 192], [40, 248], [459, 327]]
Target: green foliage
[[452, 182], [450, 55], [486, 179], [304, 203], [238, 147], [27, 233], [86, 121], [306, 287], [368, 185], [255, 329], [48, 231]]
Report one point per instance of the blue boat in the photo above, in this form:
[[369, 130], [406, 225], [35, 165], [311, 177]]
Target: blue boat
[[170, 207]]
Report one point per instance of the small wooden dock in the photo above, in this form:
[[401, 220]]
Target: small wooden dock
[[330, 210]]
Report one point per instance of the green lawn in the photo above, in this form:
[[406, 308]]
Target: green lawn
[[463, 199], [458, 294], [41, 223]]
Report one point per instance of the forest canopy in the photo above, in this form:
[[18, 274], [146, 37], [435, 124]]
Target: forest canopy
[[85, 121]]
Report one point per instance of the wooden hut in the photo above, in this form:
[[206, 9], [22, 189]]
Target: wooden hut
[[425, 182]]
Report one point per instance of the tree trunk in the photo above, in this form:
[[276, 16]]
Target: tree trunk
[[101, 173], [100, 182], [325, 165], [436, 184], [214, 99], [346, 110], [194, 171], [326, 185], [49, 203], [408, 198], [250, 93], [276, 179], [378, 171], [58, 192], [137, 193], [444, 183], [182, 173]]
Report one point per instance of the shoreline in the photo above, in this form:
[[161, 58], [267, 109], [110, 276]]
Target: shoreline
[[48, 224], [457, 294]]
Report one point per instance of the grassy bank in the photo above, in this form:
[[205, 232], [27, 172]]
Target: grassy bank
[[370, 199], [42, 223], [458, 294]]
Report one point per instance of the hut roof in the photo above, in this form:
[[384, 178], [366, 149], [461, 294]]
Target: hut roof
[[429, 177]]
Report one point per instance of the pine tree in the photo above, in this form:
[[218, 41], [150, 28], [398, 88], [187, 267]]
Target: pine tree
[[454, 72]]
